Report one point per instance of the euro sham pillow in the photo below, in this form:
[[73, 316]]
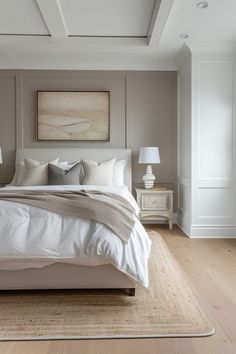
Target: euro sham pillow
[[60, 176], [119, 170], [36, 173], [20, 172], [96, 173]]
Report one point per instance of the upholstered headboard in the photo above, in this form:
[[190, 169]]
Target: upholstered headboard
[[75, 154]]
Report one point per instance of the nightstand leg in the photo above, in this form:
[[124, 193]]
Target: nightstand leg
[[171, 212]]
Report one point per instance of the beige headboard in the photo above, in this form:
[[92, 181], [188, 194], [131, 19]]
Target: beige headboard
[[75, 154]]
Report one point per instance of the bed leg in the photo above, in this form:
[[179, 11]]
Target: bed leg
[[131, 291]]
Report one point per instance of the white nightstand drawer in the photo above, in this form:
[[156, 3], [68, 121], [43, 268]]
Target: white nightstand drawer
[[155, 205], [154, 201]]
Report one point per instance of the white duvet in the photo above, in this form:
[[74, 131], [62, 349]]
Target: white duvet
[[34, 237]]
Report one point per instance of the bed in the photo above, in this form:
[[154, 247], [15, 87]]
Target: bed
[[26, 263]]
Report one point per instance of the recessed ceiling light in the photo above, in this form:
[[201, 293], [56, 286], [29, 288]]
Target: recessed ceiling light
[[183, 35], [202, 4]]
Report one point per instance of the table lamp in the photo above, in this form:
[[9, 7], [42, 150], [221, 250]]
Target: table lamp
[[149, 155]]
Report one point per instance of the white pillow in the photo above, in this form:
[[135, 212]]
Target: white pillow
[[71, 164], [63, 165], [96, 173], [36, 173], [119, 169]]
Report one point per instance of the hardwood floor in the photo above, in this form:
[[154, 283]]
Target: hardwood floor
[[210, 267]]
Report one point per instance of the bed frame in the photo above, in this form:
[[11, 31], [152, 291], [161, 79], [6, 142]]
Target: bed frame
[[66, 276]]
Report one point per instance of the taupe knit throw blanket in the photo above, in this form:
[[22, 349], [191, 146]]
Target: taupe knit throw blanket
[[106, 208]]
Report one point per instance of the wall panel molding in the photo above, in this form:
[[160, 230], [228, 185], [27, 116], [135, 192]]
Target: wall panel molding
[[213, 156], [215, 119], [153, 121], [210, 105], [184, 140], [19, 110], [215, 183], [7, 123]]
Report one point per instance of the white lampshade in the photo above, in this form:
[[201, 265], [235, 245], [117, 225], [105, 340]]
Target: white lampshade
[[0, 155], [149, 155]]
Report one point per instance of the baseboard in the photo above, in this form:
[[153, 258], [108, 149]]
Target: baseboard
[[183, 223], [212, 232], [206, 231], [184, 230]]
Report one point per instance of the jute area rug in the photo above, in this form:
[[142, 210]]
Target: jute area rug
[[168, 309]]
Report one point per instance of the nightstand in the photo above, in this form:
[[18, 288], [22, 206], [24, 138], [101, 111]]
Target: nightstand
[[155, 205]]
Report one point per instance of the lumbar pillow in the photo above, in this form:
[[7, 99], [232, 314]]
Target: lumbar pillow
[[118, 178], [59, 175], [36, 173], [99, 173]]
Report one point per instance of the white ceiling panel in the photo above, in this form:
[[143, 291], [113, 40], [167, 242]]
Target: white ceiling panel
[[215, 24], [80, 34], [21, 17], [107, 17]]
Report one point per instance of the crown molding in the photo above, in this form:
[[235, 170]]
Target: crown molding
[[212, 47]]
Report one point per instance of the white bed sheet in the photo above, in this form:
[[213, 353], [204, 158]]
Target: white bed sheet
[[31, 237]]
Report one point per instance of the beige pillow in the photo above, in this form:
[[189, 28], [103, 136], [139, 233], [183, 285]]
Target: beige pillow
[[99, 173], [36, 173]]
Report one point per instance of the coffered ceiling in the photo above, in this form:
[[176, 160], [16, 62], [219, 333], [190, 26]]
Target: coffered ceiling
[[63, 18], [108, 34]]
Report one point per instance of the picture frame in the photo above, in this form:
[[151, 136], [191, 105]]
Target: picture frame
[[73, 116]]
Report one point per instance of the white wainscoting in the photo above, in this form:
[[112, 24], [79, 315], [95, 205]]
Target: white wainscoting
[[184, 210], [212, 231], [211, 186], [184, 141], [213, 147]]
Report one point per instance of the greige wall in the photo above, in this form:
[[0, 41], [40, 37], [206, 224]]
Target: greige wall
[[143, 113]]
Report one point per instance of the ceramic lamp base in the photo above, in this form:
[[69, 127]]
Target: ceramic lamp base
[[149, 178]]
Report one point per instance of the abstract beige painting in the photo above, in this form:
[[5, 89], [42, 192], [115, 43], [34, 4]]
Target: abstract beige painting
[[73, 115]]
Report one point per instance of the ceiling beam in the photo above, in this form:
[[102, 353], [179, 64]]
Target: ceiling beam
[[73, 44], [159, 18], [53, 17]]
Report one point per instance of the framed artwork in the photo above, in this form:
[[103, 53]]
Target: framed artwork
[[73, 115]]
